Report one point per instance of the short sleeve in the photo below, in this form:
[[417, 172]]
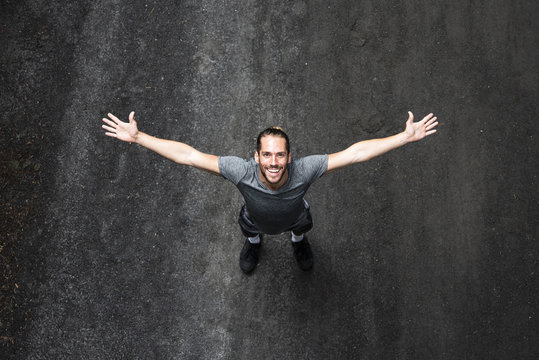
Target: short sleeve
[[232, 168], [312, 167]]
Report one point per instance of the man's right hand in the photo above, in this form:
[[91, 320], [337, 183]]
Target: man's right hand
[[121, 130]]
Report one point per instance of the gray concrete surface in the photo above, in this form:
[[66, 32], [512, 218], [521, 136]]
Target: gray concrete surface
[[429, 252]]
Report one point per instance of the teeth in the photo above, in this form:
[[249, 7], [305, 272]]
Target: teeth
[[273, 171]]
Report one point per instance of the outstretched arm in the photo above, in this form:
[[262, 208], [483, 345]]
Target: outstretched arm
[[368, 149], [173, 150]]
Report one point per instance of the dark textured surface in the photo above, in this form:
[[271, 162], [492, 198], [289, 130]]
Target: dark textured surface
[[429, 252]]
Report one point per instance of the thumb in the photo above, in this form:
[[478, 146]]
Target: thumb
[[410, 117], [132, 117]]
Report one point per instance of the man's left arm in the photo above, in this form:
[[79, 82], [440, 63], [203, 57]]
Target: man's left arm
[[368, 149]]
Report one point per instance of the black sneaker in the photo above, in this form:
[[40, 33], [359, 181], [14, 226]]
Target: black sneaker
[[303, 253], [249, 256]]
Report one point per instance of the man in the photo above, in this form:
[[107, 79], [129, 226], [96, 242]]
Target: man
[[272, 184]]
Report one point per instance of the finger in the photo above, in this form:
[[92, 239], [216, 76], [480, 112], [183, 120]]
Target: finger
[[110, 134], [116, 120], [431, 121], [430, 132], [132, 117], [108, 128], [426, 118], [410, 117], [431, 126], [113, 124]]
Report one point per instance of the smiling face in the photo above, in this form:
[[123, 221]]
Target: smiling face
[[272, 160]]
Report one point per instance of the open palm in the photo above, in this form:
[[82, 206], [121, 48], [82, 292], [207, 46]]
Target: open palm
[[418, 130], [121, 130]]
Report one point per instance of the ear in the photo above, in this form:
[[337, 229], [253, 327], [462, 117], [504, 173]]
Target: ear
[[257, 160], [289, 157]]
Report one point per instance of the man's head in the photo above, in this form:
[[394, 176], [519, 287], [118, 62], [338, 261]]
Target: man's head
[[273, 131], [272, 156]]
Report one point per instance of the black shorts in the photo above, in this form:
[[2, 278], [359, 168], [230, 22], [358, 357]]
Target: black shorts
[[303, 224]]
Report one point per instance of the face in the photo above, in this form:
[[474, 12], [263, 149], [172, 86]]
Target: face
[[272, 161]]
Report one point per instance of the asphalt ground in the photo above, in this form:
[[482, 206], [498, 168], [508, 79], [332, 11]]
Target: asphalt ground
[[111, 252]]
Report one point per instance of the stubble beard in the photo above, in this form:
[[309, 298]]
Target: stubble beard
[[263, 171]]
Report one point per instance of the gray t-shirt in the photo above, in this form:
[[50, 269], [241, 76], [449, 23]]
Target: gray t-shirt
[[272, 211]]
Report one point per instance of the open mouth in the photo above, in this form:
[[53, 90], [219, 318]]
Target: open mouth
[[274, 172]]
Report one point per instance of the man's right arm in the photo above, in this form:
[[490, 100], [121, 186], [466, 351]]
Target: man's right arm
[[173, 150], [179, 152]]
